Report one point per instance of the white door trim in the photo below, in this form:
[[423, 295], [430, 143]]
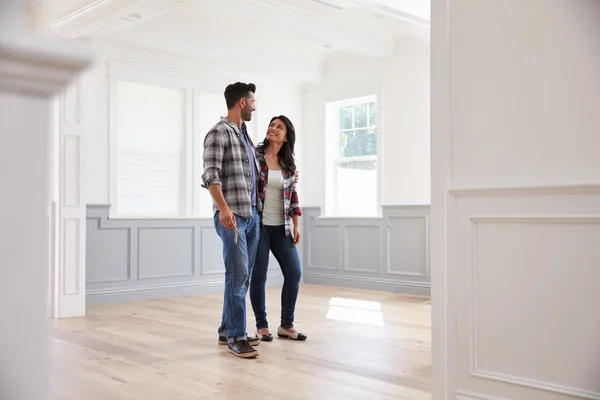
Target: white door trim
[[441, 304], [69, 275]]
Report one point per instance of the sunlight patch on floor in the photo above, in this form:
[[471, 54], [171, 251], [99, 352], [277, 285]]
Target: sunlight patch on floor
[[355, 311]]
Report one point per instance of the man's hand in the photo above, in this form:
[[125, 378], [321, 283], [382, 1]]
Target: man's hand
[[225, 215], [296, 175], [296, 236], [227, 219]]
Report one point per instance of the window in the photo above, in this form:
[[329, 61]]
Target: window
[[157, 145], [149, 150], [357, 136], [352, 184], [212, 108]]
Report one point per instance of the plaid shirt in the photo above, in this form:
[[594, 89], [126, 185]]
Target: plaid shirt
[[291, 206], [226, 163]]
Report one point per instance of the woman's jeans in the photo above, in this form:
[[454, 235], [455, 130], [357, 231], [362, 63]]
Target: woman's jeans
[[273, 238]]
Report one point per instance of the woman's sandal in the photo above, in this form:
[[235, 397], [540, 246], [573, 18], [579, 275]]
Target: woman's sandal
[[282, 333], [265, 338]]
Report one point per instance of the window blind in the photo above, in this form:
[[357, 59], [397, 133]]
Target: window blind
[[150, 131]]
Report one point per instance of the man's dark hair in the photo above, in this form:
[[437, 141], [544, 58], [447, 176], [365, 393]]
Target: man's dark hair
[[235, 91]]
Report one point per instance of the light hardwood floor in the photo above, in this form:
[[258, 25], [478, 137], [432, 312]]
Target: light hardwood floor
[[367, 345]]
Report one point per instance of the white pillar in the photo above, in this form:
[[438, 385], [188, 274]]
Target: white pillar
[[515, 217], [31, 72], [12, 17]]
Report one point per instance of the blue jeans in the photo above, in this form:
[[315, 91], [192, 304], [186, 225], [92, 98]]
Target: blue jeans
[[273, 238], [239, 260]]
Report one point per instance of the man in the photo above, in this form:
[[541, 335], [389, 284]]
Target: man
[[230, 175]]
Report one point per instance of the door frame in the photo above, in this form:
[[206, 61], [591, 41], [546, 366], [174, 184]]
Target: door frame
[[441, 303]]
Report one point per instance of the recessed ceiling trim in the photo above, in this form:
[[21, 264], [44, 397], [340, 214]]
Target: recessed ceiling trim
[[278, 6], [91, 19], [328, 4], [79, 12], [158, 61], [376, 6]]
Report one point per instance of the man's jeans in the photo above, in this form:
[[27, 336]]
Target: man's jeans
[[239, 260]]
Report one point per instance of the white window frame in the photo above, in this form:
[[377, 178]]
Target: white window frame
[[192, 144], [334, 158], [338, 158], [186, 138]]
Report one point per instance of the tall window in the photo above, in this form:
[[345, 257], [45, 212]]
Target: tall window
[[352, 188], [149, 144], [210, 108], [157, 146]]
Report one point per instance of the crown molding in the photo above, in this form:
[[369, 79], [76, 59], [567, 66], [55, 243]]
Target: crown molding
[[584, 188], [79, 12], [39, 67], [376, 6], [190, 67], [155, 60], [99, 16]]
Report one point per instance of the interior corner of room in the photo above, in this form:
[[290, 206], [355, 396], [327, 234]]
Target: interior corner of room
[[449, 183], [360, 104]]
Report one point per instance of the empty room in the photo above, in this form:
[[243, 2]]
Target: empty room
[[300, 199], [147, 265]]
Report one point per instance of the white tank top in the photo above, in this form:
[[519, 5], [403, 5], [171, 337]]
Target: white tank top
[[273, 206]]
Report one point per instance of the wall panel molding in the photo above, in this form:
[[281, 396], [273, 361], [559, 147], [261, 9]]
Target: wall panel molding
[[389, 253], [135, 259], [72, 263], [166, 250], [369, 259], [512, 270], [418, 260], [71, 104], [464, 395], [94, 226], [72, 170], [316, 244], [527, 190], [70, 276], [560, 221]]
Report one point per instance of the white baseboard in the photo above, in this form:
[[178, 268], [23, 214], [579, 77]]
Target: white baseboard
[[368, 283], [137, 293], [464, 395]]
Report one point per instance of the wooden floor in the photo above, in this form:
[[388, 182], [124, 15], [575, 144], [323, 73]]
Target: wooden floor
[[361, 345]]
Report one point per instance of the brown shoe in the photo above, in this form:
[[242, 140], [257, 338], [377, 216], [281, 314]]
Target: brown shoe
[[242, 348], [252, 341]]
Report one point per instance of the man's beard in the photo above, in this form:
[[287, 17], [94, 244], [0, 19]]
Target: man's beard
[[247, 115]]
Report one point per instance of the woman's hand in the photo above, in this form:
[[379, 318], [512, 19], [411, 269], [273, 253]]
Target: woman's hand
[[296, 236]]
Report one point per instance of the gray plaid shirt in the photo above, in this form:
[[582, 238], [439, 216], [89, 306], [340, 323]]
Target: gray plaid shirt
[[226, 163]]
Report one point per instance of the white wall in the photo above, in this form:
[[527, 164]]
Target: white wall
[[516, 137], [402, 86], [273, 98], [528, 98]]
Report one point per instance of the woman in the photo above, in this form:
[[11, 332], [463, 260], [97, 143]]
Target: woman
[[277, 191]]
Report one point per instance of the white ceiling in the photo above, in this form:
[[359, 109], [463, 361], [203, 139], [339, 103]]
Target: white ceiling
[[279, 38]]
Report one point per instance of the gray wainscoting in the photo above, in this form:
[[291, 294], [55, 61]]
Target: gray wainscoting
[[135, 259], [389, 253]]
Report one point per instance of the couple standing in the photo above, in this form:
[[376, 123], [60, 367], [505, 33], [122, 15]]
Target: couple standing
[[256, 211]]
